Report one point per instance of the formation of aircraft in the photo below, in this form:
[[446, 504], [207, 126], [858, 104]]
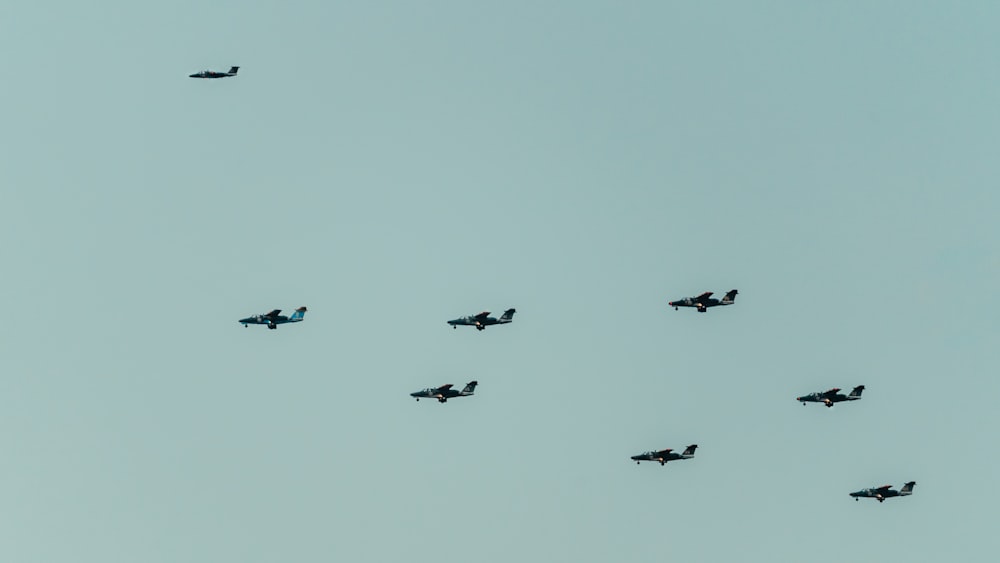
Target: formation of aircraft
[[215, 74], [445, 392], [704, 301], [483, 320], [884, 492], [275, 318], [829, 398], [663, 456]]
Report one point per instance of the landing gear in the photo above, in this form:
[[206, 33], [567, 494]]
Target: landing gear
[[480, 327], [702, 310], [272, 326], [442, 400], [454, 327]]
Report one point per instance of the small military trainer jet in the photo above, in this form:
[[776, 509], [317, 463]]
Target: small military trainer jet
[[445, 392], [832, 396], [214, 74], [275, 318], [663, 456], [483, 320], [884, 492], [704, 301]]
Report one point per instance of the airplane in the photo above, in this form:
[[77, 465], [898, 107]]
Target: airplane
[[275, 318], [483, 320], [213, 74], [832, 396], [663, 456], [704, 301], [884, 492], [445, 392]]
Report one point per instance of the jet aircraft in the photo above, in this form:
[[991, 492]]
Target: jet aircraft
[[483, 320], [832, 396], [445, 392], [884, 492], [214, 74], [663, 456], [704, 301], [275, 318]]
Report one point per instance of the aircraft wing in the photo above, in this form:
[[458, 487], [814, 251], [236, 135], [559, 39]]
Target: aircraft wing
[[444, 388], [833, 391], [884, 488], [705, 295], [482, 315], [662, 453], [273, 313]]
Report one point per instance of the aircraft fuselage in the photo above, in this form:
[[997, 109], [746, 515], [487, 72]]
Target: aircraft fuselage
[[704, 301]]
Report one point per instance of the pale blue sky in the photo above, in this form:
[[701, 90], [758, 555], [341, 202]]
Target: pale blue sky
[[396, 165]]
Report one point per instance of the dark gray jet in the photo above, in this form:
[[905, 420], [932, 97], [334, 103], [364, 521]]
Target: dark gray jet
[[832, 396], [884, 492], [214, 74], [483, 320], [275, 318], [663, 456], [704, 301], [445, 392]]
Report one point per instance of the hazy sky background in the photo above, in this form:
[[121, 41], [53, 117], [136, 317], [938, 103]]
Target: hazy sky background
[[393, 165]]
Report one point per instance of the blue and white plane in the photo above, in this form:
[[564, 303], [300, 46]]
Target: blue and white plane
[[704, 301], [483, 320], [275, 318], [832, 396], [215, 74], [663, 456], [445, 392], [884, 492]]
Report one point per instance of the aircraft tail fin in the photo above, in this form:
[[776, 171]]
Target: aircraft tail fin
[[299, 314], [907, 489], [856, 392], [508, 316], [234, 70], [690, 450], [470, 388], [730, 297]]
